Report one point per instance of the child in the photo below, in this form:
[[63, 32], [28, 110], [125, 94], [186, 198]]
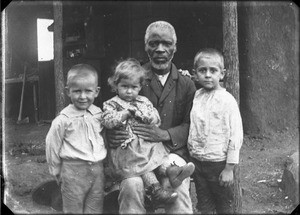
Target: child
[[137, 157], [215, 136], [74, 145]]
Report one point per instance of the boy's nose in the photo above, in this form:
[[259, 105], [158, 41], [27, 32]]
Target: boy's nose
[[82, 95]]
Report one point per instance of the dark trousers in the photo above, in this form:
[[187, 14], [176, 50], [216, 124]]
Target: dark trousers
[[213, 198]]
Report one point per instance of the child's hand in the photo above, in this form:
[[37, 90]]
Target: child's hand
[[226, 176]]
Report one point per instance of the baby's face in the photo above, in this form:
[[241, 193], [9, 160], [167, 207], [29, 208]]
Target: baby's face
[[83, 91], [129, 88], [209, 72]]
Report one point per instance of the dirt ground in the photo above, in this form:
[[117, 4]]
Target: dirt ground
[[261, 164]]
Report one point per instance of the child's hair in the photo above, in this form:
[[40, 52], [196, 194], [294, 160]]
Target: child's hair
[[209, 52], [81, 70], [126, 69]]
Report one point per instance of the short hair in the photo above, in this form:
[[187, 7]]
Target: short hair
[[161, 25], [126, 69], [81, 71], [208, 52]]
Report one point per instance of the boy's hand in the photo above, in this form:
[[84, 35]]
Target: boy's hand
[[226, 176], [58, 179]]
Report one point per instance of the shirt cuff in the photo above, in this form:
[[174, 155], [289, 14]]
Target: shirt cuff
[[173, 142], [233, 156]]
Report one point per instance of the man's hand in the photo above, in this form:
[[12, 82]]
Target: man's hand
[[150, 133], [226, 176], [184, 72], [115, 137]]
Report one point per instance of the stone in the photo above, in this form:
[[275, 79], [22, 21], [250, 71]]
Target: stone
[[290, 178]]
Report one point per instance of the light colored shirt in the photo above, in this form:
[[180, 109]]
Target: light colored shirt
[[75, 134], [163, 78], [216, 130]]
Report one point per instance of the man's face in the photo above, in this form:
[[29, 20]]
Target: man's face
[[160, 48]]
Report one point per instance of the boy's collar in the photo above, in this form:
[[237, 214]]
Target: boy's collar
[[72, 111]]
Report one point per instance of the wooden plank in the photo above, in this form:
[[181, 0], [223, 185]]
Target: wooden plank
[[58, 56], [230, 48]]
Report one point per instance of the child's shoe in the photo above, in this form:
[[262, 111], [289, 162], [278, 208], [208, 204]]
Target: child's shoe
[[159, 195], [177, 174]]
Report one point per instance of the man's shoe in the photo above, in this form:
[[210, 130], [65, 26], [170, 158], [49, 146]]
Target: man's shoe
[[177, 174]]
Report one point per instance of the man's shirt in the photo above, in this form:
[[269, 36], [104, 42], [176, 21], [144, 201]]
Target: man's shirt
[[75, 135], [216, 131]]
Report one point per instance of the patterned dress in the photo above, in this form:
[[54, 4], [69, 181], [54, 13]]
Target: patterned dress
[[136, 156]]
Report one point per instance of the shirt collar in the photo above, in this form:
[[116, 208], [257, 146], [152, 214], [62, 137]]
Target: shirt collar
[[150, 74], [71, 111]]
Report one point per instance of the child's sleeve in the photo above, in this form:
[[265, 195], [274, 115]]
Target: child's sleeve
[[111, 118], [148, 113], [236, 134], [54, 141]]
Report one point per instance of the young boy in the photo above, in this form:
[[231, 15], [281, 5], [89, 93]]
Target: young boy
[[74, 145], [215, 136]]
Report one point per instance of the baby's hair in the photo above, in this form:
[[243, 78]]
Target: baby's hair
[[208, 52], [81, 71], [126, 69], [162, 25]]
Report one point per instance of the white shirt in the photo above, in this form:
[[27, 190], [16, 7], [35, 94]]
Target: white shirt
[[163, 78], [216, 131], [75, 134]]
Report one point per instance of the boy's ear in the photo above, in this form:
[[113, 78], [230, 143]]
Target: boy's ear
[[67, 91], [223, 73], [97, 91]]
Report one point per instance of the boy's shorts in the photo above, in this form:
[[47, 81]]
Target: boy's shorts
[[212, 197]]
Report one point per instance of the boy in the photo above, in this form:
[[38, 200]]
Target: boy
[[74, 146], [215, 136]]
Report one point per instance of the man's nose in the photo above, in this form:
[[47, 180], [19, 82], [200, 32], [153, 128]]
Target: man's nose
[[160, 48]]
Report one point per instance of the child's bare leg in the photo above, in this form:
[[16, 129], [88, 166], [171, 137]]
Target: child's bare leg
[[156, 191]]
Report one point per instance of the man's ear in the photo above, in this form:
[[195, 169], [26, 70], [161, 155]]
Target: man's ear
[[175, 48]]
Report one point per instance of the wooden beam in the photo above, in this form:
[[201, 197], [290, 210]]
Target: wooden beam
[[58, 56], [230, 48]]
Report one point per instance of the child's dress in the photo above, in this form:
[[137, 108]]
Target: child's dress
[[137, 156]]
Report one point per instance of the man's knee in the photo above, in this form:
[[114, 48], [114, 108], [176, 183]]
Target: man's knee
[[131, 197]]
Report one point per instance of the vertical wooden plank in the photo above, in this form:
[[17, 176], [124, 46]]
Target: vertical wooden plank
[[231, 81], [58, 56], [230, 48]]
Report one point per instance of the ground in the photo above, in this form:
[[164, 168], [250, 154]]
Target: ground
[[261, 164]]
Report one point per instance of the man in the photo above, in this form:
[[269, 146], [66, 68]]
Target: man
[[172, 94]]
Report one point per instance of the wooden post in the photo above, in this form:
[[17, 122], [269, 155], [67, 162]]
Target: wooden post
[[230, 48], [231, 81], [58, 56]]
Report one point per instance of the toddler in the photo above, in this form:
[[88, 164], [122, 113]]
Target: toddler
[[136, 157]]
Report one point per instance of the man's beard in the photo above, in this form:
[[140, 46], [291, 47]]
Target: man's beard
[[160, 66]]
